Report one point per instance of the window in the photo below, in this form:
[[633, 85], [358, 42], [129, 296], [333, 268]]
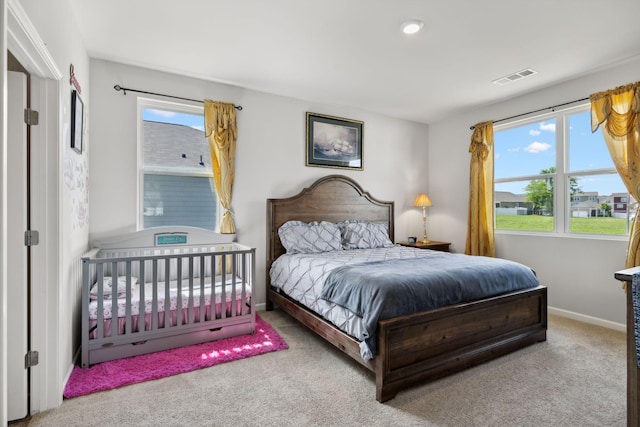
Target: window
[[551, 174], [175, 167]]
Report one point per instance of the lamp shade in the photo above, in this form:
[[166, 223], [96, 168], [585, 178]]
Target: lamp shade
[[422, 200]]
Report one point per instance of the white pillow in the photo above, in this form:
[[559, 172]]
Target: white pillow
[[364, 235], [299, 237], [107, 286]]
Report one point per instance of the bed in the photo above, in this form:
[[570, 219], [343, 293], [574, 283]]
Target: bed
[[409, 348], [163, 288]]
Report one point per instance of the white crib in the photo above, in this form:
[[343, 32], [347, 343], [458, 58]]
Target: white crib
[[166, 288]]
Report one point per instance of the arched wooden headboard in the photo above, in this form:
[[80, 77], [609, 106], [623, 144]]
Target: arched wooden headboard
[[333, 198]]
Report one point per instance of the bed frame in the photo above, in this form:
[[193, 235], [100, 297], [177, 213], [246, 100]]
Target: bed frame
[[413, 348], [153, 255]]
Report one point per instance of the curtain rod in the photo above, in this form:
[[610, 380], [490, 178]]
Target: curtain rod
[[553, 107], [125, 89]]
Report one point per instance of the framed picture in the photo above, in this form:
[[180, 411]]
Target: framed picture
[[77, 122], [334, 142]]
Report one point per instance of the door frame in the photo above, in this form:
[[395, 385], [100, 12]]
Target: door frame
[[26, 45], [17, 254]]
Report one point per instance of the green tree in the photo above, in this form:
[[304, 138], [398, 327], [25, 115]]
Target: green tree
[[605, 208], [540, 191], [540, 196]]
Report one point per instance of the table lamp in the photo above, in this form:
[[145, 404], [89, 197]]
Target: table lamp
[[422, 200]]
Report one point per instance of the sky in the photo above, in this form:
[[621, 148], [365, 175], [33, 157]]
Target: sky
[[528, 149], [193, 120]]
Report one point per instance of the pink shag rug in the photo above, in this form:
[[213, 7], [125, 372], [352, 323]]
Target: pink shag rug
[[132, 370]]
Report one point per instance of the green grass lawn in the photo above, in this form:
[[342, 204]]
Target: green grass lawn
[[616, 226]]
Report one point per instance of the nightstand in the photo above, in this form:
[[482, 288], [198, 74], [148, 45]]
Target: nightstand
[[431, 244]]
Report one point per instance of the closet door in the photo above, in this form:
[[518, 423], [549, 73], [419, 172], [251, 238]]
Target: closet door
[[17, 308]]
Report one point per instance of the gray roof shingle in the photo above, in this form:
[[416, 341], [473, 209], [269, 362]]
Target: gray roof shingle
[[175, 146]]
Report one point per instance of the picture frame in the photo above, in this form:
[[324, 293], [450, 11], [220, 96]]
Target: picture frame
[[77, 121], [334, 142]]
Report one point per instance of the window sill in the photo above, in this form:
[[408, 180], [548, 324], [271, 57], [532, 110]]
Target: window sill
[[608, 237]]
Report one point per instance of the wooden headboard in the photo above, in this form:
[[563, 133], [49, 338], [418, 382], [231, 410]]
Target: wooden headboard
[[333, 198]]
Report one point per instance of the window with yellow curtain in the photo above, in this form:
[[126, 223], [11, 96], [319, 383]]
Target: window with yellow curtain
[[176, 187], [553, 175]]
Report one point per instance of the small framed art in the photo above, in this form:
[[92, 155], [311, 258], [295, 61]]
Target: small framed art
[[77, 122], [334, 142]]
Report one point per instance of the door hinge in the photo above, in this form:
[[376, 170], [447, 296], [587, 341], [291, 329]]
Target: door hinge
[[31, 237], [30, 117], [30, 359]]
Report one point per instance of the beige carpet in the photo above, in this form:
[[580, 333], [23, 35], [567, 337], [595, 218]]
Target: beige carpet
[[575, 378]]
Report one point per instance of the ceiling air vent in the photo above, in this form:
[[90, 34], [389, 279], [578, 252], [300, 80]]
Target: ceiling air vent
[[515, 76]]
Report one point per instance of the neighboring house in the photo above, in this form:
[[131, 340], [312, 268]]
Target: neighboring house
[[622, 204], [585, 204], [507, 203], [588, 196], [175, 159], [585, 209]]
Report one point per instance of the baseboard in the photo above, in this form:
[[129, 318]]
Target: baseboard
[[587, 319], [261, 306]]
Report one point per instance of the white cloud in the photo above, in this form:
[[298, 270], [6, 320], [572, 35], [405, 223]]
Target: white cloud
[[163, 113], [537, 147], [550, 127], [534, 132]]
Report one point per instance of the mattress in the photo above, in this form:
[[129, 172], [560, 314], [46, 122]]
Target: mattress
[[302, 277], [387, 282]]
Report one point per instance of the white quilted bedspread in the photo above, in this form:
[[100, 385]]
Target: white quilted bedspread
[[302, 276]]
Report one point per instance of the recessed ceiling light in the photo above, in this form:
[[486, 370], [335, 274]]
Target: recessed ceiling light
[[411, 27]]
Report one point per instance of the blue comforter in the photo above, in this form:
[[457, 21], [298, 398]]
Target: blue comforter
[[384, 289]]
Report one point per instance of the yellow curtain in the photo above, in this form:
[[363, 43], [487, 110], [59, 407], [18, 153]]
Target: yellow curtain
[[222, 132], [617, 112], [480, 239]]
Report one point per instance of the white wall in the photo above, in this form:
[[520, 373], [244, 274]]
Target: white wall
[[577, 270], [270, 156], [52, 33]]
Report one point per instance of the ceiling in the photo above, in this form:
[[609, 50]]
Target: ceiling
[[352, 52]]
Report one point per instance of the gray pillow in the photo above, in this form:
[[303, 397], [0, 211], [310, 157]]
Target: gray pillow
[[364, 235], [299, 237]]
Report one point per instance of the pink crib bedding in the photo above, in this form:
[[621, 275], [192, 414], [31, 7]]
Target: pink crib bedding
[[178, 304]]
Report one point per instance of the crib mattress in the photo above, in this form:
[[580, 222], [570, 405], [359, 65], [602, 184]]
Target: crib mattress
[[179, 296]]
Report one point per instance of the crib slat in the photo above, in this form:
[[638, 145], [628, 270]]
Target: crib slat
[[201, 309], [179, 318], [167, 290], [100, 296], [114, 299], [223, 287], [214, 264], [154, 297], [234, 302], [190, 311], [127, 322], [243, 266], [141, 304]]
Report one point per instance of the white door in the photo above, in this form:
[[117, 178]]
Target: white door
[[17, 374]]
